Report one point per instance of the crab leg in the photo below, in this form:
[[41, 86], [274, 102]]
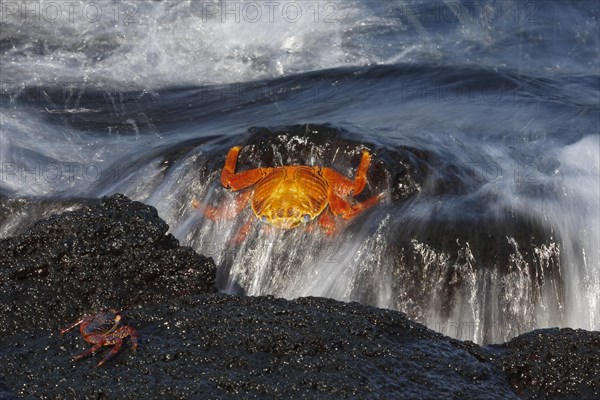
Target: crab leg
[[241, 180], [88, 352], [73, 325], [343, 208], [360, 180], [226, 210], [343, 186], [327, 221], [134, 336], [234, 181], [116, 338], [111, 353], [243, 232]]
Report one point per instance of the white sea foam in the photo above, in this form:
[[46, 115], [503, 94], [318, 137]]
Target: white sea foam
[[153, 44]]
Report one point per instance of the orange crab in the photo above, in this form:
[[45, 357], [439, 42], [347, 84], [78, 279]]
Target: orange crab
[[289, 196]]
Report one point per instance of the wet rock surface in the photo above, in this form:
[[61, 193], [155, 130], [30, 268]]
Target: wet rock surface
[[219, 346], [199, 344], [19, 214], [115, 253], [554, 364], [398, 170], [493, 251]]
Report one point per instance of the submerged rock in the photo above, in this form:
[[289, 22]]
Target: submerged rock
[[198, 344]]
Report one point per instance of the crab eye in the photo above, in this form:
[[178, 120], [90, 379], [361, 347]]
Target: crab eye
[[306, 218], [263, 218]]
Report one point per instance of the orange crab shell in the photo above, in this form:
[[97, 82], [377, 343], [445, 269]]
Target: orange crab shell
[[287, 196]]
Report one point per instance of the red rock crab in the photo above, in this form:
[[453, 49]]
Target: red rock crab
[[288, 196], [103, 329]]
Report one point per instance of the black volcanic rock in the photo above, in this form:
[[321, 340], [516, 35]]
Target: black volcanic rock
[[115, 253], [197, 344], [554, 364], [219, 346]]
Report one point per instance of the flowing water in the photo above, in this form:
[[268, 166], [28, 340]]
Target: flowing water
[[482, 118]]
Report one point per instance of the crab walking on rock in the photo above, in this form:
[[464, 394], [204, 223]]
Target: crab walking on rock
[[103, 328], [289, 196]]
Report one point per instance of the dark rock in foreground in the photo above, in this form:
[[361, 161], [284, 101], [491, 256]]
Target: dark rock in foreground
[[112, 254], [219, 346], [196, 344], [554, 363]]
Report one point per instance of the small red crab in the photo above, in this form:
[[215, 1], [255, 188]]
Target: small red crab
[[289, 196], [103, 329]]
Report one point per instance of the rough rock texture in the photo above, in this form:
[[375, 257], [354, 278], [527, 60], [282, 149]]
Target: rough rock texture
[[554, 364], [401, 170], [197, 344], [19, 214], [5, 394], [219, 346], [115, 253]]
